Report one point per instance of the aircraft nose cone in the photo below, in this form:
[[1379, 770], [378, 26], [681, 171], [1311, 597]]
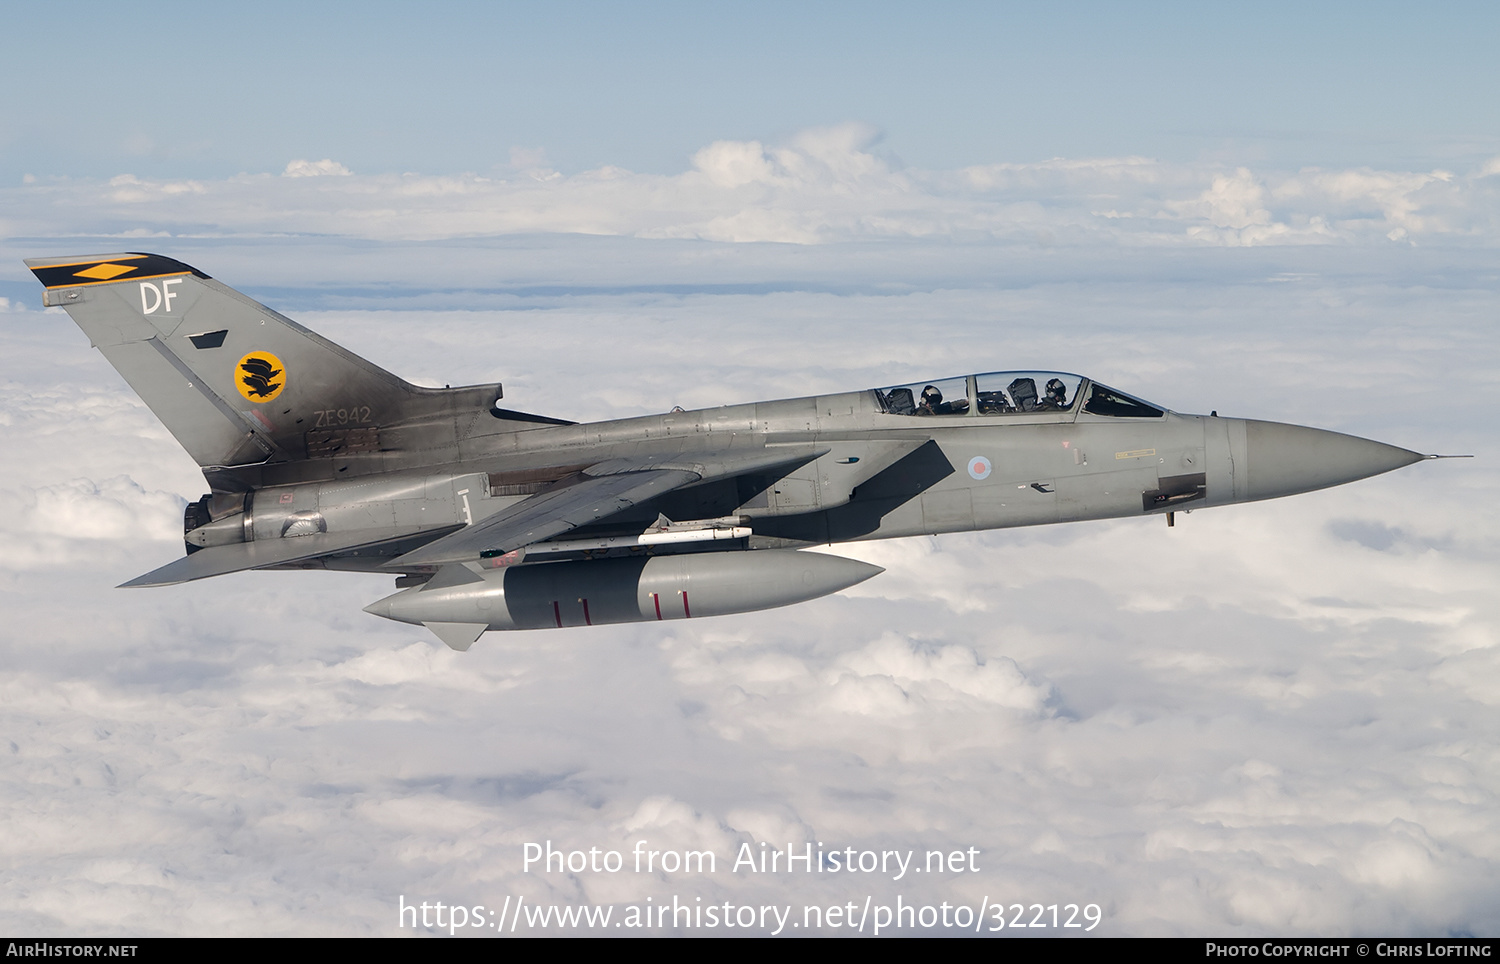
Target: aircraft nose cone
[[1287, 459]]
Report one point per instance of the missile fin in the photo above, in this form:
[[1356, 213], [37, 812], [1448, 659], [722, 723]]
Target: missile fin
[[459, 636]]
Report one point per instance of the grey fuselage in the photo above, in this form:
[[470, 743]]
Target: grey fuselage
[[871, 474], [497, 519]]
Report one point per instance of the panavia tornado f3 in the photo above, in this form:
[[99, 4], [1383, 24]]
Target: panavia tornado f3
[[496, 519]]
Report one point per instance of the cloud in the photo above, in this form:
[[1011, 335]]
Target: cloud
[[46, 524], [865, 701], [819, 186], [1270, 719], [1234, 201], [323, 168], [731, 164]]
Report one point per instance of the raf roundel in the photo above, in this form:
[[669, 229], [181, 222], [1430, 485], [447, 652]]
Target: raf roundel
[[980, 468], [260, 376]]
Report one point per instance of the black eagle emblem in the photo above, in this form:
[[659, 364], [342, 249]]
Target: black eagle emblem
[[258, 375]]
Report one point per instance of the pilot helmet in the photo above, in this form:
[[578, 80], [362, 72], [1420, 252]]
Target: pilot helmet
[[1057, 389], [931, 394]]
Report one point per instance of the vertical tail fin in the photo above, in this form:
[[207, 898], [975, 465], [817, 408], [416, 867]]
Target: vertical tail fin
[[236, 383]]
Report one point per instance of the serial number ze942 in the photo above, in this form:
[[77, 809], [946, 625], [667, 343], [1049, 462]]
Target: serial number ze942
[[353, 415], [1045, 916]]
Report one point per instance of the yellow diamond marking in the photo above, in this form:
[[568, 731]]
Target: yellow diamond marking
[[103, 272]]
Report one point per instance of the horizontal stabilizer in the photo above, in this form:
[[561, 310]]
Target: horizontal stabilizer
[[220, 560]]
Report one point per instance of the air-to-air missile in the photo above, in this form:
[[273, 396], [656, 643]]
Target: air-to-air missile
[[492, 518]]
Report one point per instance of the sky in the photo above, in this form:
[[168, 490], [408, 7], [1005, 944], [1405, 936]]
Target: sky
[[1272, 719], [453, 87]]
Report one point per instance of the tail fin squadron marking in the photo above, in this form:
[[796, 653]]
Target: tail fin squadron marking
[[104, 272], [104, 269], [151, 316], [257, 371]]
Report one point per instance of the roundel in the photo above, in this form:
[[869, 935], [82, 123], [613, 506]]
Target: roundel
[[980, 468], [260, 376]]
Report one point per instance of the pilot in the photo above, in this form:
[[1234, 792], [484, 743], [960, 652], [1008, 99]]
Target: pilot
[[933, 404], [1057, 396], [932, 401]]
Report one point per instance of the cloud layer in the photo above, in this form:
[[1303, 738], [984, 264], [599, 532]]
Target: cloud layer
[[1272, 719], [824, 185]]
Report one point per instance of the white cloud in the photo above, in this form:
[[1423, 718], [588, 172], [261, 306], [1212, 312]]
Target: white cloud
[[735, 163], [129, 189], [1233, 201], [820, 186], [323, 168], [1271, 719], [52, 525]]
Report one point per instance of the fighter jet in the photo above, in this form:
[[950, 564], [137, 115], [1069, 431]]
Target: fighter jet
[[497, 519]]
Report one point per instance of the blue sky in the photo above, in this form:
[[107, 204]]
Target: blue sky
[[190, 91]]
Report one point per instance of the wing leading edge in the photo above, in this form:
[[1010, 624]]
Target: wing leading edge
[[573, 502], [595, 494]]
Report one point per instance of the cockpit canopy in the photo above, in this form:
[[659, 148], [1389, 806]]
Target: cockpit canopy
[[1012, 393]]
